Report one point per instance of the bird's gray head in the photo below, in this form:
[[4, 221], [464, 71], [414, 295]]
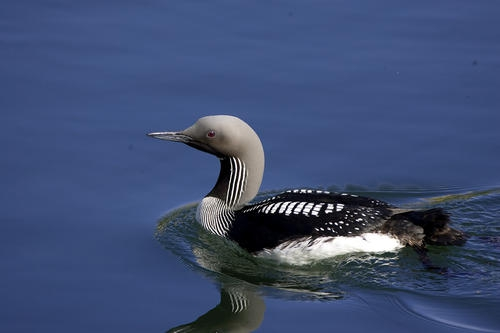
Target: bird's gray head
[[228, 138]]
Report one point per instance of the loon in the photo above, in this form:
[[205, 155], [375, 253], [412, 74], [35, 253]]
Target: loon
[[302, 224]]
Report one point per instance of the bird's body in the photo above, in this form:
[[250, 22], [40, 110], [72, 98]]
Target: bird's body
[[297, 225], [306, 214], [302, 225]]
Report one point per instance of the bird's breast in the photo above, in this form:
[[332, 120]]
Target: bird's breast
[[306, 250]]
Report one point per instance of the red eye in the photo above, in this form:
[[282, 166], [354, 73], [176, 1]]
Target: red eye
[[211, 134]]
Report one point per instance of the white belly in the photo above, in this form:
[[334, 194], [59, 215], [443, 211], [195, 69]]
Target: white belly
[[305, 250]]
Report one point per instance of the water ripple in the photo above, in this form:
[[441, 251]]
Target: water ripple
[[472, 270]]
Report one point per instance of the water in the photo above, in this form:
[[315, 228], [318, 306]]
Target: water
[[398, 101], [469, 274]]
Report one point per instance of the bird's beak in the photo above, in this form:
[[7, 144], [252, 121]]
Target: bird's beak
[[184, 138], [172, 136]]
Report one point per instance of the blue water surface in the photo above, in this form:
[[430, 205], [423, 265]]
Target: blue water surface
[[394, 99]]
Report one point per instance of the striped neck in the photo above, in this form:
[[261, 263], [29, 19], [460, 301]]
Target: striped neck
[[215, 216], [232, 183], [216, 211]]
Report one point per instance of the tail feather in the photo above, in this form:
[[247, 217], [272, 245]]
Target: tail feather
[[418, 228], [435, 226]]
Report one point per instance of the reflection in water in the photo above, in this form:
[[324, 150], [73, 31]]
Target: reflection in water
[[473, 270], [241, 276], [240, 309]]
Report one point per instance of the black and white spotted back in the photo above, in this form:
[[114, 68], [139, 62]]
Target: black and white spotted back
[[306, 213]]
